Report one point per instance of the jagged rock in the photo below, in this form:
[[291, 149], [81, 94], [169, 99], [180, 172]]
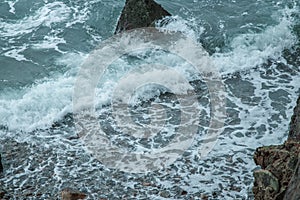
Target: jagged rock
[[1, 167], [294, 133], [293, 191], [280, 162], [69, 194], [139, 14]]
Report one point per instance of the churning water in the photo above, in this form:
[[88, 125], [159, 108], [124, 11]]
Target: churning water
[[253, 44]]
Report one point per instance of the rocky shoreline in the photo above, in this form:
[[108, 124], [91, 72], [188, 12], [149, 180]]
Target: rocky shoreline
[[279, 177]]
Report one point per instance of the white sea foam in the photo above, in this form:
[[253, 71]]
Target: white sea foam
[[50, 42], [40, 107], [178, 24], [80, 15], [254, 49], [54, 96], [47, 15], [16, 53], [11, 6], [247, 50], [45, 102]]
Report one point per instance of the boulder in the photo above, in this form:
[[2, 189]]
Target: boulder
[[266, 181], [280, 164], [139, 14], [70, 194]]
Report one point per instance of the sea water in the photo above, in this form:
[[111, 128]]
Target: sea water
[[252, 44]]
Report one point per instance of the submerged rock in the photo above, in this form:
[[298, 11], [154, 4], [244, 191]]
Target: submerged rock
[[281, 163], [140, 13], [69, 194], [2, 193]]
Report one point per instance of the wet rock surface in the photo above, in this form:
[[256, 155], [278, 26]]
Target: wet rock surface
[[71, 194], [140, 13], [280, 177]]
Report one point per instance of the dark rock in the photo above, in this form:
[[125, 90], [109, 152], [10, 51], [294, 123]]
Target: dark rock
[[139, 14], [280, 175], [1, 166], [184, 192], [2, 194], [69, 194], [204, 197]]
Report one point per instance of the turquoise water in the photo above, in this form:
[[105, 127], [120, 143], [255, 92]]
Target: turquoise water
[[253, 44]]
